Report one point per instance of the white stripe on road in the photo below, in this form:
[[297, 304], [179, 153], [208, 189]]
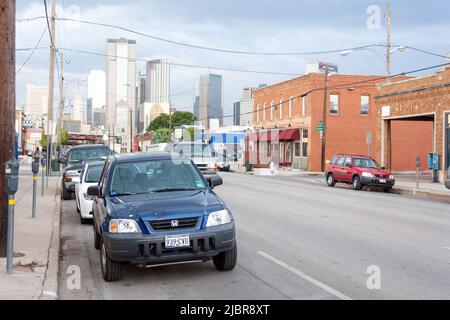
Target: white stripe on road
[[305, 276]]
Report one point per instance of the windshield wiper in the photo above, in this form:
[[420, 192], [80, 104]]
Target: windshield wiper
[[123, 194], [174, 190]]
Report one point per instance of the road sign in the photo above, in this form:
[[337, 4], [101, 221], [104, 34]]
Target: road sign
[[324, 66], [320, 126]]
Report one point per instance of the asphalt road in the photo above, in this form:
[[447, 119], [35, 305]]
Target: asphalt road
[[297, 239]]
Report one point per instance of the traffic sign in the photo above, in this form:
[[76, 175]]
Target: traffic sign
[[324, 66], [320, 126]]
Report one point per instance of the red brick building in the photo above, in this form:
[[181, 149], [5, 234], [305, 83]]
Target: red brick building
[[287, 114], [422, 107]]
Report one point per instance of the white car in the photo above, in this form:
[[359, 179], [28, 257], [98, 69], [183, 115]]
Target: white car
[[89, 176]]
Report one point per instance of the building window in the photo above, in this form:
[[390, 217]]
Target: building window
[[365, 103], [264, 112], [290, 106], [297, 149], [305, 134], [288, 153], [272, 109], [304, 149], [281, 109], [334, 104], [304, 106], [257, 113]]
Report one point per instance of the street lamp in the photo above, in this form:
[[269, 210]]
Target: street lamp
[[383, 56]]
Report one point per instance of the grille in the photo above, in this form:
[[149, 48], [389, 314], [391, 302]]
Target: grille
[[167, 224], [381, 176]]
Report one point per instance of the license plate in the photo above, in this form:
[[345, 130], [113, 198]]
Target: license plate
[[382, 180], [177, 241]]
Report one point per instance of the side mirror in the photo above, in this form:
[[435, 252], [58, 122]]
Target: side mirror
[[94, 191], [215, 181]]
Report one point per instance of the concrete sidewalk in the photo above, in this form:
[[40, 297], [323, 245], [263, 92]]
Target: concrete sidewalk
[[36, 244]]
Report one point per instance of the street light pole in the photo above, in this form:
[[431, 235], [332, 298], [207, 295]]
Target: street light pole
[[388, 39]]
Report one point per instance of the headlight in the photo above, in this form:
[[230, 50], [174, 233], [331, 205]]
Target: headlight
[[391, 177], [123, 226], [88, 197], [367, 175], [218, 218]]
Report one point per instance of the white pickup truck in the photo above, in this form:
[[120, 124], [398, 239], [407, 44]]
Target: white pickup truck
[[202, 154]]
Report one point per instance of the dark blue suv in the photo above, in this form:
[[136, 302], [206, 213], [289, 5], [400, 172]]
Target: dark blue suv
[[157, 208]]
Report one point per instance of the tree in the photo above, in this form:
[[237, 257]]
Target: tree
[[179, 118], [162, 135]]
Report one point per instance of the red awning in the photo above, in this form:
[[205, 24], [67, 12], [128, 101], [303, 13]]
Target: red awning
[[290, 135]]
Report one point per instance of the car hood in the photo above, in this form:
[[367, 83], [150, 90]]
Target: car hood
[[376, 171], [167, 205]]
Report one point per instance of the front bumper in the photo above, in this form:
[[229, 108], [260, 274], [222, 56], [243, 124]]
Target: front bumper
[[375, 182], [145, 250]]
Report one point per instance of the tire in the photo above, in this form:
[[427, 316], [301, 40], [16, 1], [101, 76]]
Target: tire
[[84, 220], [111, 270], [226, 261], [96, 238], [66, 195], [356, 183], [330, 180]]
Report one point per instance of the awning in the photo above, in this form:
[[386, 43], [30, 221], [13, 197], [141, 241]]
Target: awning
[[269, 135], [290, 135], [253, 137]]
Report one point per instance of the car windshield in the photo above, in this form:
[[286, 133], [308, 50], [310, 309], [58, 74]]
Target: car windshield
[[365, 163], [194, 150], [155, 176], [85, 154], [93, 174]]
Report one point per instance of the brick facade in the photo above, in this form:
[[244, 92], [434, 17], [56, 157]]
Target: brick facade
[[346, 129], [426, 100]]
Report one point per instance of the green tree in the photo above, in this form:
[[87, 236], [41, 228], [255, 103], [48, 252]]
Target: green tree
[[63, 136], [179, 118], [44, 140], [162, 135]]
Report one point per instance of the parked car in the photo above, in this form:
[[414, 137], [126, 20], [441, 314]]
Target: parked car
[[447, 182], [202, 154], [73, 163], [359, 171], [157, 208], [90, 176], [224, 166]]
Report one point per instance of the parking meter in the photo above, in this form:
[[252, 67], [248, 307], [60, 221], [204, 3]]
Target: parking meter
[[11, 184], [12, 177], [35, 167]]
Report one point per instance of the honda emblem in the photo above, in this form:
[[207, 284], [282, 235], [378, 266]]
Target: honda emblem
[[174, 223]]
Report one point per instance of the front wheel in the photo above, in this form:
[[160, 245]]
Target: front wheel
[[330, 180], [357, 183], [111, 270], [226, 261]]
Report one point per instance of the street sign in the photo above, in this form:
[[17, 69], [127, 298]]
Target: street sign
[[324, 66], [320, 126]]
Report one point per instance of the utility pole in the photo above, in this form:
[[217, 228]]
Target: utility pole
[[7, 105], [388, 39], [51, 82], [324, 119], [61, 95]]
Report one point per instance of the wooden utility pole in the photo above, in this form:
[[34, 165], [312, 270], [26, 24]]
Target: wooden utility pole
[[51, 82], [7, 104], [388, 39], [61, 97], [131, 132]]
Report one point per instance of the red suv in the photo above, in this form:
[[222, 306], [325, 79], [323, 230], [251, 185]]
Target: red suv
[[360, 171]]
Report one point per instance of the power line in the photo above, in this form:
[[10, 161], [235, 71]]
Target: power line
[[186, 65], [32, 51]]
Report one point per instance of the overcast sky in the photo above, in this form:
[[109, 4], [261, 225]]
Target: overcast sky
[[244, 25]]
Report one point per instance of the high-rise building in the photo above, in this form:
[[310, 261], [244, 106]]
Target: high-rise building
[[197, 107], [237, 114], [157, 93], [211, 99], [141, 102], [37, 102], [246, 108], [96, 97], [121, 90]]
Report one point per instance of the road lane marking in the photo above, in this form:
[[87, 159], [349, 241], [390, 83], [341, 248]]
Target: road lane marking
[[306, 277]]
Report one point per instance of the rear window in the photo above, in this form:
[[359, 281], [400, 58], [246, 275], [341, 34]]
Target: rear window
[[89, 153]]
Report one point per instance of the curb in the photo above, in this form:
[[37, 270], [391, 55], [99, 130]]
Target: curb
[[422, 194], [50, 283]]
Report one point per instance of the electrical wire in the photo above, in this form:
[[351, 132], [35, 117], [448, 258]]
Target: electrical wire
[[32, 51], [48, 24]]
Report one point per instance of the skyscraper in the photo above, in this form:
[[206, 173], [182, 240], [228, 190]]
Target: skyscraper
[[96, 97], [211, 99], [37, 102], [246, 108], [121, 90], [157, 93]]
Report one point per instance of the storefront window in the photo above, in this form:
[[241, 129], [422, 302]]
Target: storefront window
[[297, 147], [288, 157], [305, 149]]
